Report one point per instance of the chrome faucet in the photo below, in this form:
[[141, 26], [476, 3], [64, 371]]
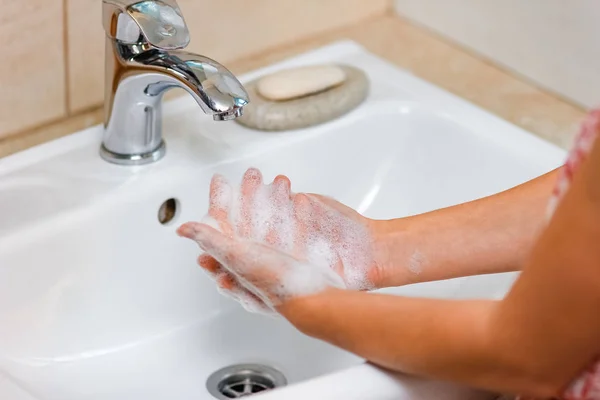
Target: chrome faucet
[[143, 60]]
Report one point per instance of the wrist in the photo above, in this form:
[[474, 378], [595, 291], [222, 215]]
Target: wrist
[[304, 312], [397, 255]]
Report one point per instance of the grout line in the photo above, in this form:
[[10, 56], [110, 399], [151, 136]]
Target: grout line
[[66, 51]]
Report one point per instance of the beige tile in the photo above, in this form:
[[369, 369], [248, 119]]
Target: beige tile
[[224, 30], [453, 69], [467, 75], [409, 47], [552, 42], [48, 132], [32, 84], [85, 54]]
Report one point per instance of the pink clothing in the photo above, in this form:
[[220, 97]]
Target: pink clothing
[[587, 386], [583, 145]]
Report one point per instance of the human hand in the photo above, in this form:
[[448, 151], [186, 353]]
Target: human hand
[[312, 229], [269, 275]]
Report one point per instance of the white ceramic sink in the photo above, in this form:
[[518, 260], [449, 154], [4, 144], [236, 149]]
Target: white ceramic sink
[[98, 300]]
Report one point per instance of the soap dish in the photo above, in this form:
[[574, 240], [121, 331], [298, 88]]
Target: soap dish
[[312, 109]]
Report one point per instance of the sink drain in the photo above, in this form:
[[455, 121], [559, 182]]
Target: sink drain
[[243, 380]]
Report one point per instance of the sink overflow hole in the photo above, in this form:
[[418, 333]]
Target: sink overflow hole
[[168, 211], [243, 380]]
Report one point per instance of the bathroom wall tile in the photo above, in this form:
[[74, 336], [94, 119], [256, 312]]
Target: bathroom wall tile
[[224, 30], [551, 42], [85, 54], [406, 46], [32, 71]]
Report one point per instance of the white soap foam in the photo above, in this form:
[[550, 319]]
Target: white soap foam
[[320, 252], [223, 193], [210, 221], [352, 242], [328, 239], [262, 213], [305, 279]]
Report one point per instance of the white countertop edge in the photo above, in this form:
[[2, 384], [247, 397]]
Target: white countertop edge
[[367, 381]]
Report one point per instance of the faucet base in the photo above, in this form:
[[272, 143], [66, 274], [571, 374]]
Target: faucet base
[[134, 159]]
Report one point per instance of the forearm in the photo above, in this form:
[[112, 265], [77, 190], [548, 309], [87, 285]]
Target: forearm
[[439, 339], [489, 235], [534, 342], [420, 336]]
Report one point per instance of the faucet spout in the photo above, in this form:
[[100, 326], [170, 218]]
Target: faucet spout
[[216, 90], [138, 73]]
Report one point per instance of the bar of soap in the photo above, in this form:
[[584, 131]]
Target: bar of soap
[[302, 112], [299, 82]]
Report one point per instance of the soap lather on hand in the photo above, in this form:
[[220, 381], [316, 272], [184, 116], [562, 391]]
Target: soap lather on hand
[[265, 244]]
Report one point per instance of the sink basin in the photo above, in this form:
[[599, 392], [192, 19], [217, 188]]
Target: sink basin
[[100, 300]]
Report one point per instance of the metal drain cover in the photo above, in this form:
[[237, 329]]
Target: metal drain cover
[[243, 380]]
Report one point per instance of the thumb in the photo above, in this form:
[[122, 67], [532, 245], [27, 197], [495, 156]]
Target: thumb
[[238, 256], [215, 243]]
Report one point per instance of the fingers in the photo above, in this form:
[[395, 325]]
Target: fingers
[[231, 253], [220, 201], [251, 183], [215, 243], [282, 188], [255, 305], [228, 285], [209, 264], [256, 265], [245, 270], [188, 230], [194, 230], [227, 282], [262, 213], [302, 216], [279, 231]]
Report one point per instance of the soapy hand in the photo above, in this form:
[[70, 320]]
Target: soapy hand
[[269, 275], [306, 232]]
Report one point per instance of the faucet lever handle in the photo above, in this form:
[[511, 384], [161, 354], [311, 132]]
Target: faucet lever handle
[[157, 22]]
